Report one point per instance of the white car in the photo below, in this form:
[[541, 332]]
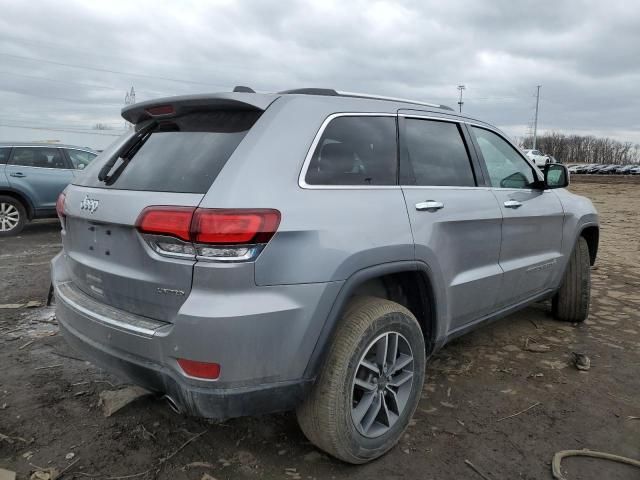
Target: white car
[[538, 157]]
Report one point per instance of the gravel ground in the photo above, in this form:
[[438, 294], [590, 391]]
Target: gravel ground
[[49, 413]]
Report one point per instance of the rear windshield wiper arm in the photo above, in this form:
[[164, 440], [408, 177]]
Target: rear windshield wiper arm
[[127, 150]]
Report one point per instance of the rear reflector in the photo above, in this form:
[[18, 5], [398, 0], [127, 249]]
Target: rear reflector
[[205, 370]]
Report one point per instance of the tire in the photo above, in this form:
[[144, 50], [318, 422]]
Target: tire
[[571, 302], [327, 416], [13, 216]]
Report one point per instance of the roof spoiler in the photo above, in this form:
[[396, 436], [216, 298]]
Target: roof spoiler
[[174, 106]]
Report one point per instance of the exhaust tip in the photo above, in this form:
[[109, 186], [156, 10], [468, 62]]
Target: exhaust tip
[[173, 405]]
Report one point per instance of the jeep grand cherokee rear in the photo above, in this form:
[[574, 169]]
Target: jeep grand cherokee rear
[[154, 286]]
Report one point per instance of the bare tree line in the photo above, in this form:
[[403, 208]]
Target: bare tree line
[[585, 148]]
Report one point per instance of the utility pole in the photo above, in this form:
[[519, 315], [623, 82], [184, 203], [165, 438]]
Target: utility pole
[[129, 99], [460, 102], [535, 122]]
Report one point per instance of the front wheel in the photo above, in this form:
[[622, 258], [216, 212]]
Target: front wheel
[[571, 303], [370, 385]]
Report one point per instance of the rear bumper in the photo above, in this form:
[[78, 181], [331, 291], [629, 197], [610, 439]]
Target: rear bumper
[[209, 402], [144, 351]]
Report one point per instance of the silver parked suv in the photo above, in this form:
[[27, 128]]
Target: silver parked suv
[[245, 253]]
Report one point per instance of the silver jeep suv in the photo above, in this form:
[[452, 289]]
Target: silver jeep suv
[[245, 253]]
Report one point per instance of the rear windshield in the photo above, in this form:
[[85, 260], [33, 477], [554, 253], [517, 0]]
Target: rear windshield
[[183, 154]]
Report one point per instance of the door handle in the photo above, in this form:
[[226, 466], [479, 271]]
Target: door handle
[[512, 204], [429, 205], [18, 174]]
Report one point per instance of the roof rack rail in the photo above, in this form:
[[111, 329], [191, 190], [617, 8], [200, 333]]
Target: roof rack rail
[[338, 93], [391, 99]]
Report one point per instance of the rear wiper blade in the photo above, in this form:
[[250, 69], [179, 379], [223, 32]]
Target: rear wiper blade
[[127, 150]]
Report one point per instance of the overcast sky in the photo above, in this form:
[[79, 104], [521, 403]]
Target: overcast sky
[[67, 64]]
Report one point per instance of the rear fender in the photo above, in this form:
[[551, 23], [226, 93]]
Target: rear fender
[[350, 286]]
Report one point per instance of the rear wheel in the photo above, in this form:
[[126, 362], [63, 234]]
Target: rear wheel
[[571, 303], [370, 384], [12, 216]]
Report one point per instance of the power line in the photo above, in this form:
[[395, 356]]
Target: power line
[[79, 125], [106, 70], [164, 92], [69, 82], [66, 47], [495, 98], [71, 100], [51, 45], [48, 121], [54, 129], [52, 125]]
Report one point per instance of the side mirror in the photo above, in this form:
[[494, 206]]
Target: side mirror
[[556, 175], [81, 166]]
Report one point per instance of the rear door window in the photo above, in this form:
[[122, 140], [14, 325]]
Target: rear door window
[[42, 157], [183, 154], [355, 151], [434, 154]]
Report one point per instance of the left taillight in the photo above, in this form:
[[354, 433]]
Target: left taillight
[[210, 234], [60, 207], [171, 221]]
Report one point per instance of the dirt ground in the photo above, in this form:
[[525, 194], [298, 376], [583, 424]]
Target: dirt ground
[[49, 396]]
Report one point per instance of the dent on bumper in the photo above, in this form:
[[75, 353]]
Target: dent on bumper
[[262, 353]]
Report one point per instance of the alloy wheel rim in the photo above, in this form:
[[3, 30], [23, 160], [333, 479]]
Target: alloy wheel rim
[[382, 384], [9, 217]]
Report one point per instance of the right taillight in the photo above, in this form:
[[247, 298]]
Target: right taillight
[[211, 234]]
